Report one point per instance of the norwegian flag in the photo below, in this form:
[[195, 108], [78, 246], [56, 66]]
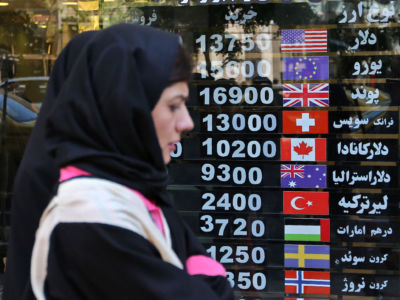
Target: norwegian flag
[[292, 171], [305, 95], [307, 282]]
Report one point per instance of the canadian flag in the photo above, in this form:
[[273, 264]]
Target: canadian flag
[[299, 149]]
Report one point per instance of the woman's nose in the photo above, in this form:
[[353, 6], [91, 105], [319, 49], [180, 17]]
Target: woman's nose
[[185, 123]]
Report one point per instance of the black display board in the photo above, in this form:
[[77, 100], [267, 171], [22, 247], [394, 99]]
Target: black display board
[[290, 177]]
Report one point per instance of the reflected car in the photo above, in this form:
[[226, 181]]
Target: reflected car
[[20, 118]]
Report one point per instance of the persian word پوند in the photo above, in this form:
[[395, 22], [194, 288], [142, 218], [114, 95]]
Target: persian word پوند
[[371, 96]]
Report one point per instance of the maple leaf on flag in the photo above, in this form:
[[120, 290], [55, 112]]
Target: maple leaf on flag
[[303, 149]]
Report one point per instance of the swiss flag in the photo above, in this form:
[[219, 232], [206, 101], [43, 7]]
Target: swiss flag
[[306, 203], [303, 149], [305, 121]]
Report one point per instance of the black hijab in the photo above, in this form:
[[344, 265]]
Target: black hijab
[[35, 179], [102, 122]]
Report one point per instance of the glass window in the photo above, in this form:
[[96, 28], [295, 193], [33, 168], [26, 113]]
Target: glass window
[[290, 177]]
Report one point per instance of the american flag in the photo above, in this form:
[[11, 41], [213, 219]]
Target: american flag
[[304, 40], [305, 95], [292, 171]]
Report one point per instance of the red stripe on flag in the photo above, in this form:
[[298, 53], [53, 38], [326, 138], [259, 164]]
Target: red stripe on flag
[[320, 149], [286, 149], [325, 230]]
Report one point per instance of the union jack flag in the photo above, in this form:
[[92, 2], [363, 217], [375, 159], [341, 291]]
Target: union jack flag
[[292, 171], [306, 94]]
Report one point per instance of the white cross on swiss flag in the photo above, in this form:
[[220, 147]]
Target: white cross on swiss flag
[[307, 122]]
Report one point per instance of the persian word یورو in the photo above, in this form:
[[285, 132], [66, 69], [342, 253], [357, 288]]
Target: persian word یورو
[[375, 67]]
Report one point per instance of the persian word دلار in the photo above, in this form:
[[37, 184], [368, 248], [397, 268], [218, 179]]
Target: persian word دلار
[[366, 38], [142, 19], [362, 203], [375, 67], [356, 230], [372, 97], [352, 178], [363, 149], [355, 260], [355, 123], [234, 16], [375, 14]]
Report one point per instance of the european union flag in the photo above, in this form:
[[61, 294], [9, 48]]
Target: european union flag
[[306, 68]]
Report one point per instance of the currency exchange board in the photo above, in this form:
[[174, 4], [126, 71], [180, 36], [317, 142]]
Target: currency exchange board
[[290, 177]]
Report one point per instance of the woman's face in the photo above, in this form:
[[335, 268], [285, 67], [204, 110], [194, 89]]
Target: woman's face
[[171, 117]]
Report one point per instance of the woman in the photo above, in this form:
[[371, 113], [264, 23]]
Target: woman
[[112, 232], [35, 181]]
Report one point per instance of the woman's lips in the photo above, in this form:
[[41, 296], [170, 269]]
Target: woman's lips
[[172, 146]]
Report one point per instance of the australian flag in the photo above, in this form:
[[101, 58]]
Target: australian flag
[[306, 95], [303, 176]]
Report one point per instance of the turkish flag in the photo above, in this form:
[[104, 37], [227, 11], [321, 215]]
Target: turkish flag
[[308, 122], [306, 203], [299, 149]]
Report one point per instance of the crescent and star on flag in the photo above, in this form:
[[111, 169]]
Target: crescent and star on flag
[[293, 203]]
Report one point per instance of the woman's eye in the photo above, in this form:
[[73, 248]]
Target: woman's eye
[[174, 107]]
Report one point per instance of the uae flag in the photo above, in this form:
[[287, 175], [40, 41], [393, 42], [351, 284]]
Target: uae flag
[[306, 203], [307, 282], [312, 230], [294, 149]]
